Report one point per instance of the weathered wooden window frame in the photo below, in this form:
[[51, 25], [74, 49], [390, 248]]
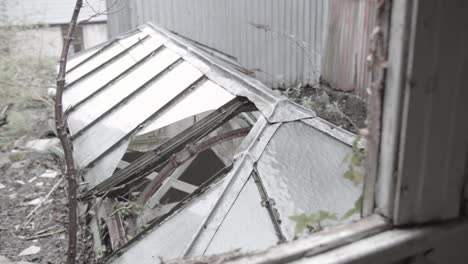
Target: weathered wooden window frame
[[378, 237]]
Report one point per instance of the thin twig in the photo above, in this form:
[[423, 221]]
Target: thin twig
[[41, 99], [43, 201], [97, 13], [44, 230], [45, 235]]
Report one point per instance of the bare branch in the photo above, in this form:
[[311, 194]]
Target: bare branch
[[64, 137], [100, 13]]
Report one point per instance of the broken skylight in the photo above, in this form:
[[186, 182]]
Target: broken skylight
[[184, 155]]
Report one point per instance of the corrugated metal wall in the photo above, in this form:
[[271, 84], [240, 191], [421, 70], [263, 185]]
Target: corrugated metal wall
[[344, 63], [283, 41]]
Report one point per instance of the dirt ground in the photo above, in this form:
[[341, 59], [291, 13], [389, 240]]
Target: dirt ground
[[343, 109], [21, 187]]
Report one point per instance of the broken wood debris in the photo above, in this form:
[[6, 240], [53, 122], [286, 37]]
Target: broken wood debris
[[45, 234], [29, 216], [113, 221], [4, 114]]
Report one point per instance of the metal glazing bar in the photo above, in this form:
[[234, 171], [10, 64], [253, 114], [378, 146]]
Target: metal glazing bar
[[105, 46], [268, 203], [155, 115], [109, 61], [102, 49], [127, 98], [127, 71], [144, 165]]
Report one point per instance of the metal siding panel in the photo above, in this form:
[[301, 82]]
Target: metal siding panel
[[347, 44], [224, 25]]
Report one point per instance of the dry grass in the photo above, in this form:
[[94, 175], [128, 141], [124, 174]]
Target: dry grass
[[23, 82]]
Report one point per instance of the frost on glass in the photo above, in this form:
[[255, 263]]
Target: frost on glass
[[303, 171], [247, 225]]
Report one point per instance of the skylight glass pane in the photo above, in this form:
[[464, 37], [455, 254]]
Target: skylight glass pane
[[103, 101], [103, 75], [105, 167], [247, 225], [72, 62], [303, 171], [209, 96], [175, 235], [128, 117], [106, 55]]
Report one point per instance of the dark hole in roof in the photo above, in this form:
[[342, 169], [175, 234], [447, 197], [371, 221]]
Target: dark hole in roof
[[205, 165], [173, 195], [131, 156]]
